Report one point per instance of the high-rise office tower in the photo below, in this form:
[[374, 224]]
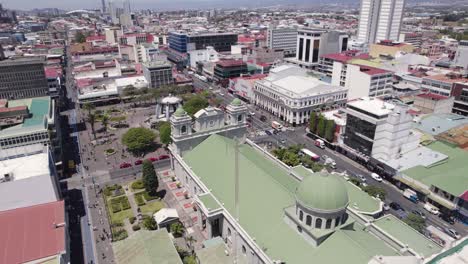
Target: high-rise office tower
[[380, 20], [103, 3]]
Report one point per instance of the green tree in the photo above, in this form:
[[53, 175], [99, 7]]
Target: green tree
[[80, 37], [150, 179], [313, 122], [375, 191], [291, 159], [165, 133], [279, 153], [88, 107], [177, 229], [138, 139], [416, 222], [149, 223], [130, 90], [194, 104], [105, 121], [190, 260], [330, 130], [321, 126]]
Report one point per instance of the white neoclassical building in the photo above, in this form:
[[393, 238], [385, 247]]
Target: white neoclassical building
[[291, 94]]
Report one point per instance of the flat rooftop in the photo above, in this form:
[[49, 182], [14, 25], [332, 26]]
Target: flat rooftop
[[372, 105], [265, 190], [435, 124], [449, 175], [146, 247], [408, 235]]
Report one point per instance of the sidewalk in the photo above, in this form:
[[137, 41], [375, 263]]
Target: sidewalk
[[175, 198]]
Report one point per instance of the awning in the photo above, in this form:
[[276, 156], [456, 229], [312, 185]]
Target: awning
[[442, 201], [412, 184]]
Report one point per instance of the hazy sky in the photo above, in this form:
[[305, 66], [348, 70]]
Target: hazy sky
[[78, 4], [150, 4]]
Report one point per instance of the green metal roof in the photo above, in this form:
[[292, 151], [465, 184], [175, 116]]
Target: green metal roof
[[358, 200], [180, 112], [236, 102], [209, 202], [450, 176], [146, 247], [265, 190], [38, 107], [322, 191], [407, 235]]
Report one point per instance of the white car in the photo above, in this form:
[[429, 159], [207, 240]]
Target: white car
[[431, 209], [376, 177]]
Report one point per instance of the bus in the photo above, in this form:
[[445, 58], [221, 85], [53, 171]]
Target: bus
[[310, 154]]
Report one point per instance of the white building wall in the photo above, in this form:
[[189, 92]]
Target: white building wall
[[380, 20], [394, 136], [358, 83], [337, 75]]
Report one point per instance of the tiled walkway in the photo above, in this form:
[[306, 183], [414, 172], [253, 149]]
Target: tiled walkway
[[175, 198]]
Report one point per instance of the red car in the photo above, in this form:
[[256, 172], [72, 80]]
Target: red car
[[138, 162], [125, 165], [153, 159], [162, 157]]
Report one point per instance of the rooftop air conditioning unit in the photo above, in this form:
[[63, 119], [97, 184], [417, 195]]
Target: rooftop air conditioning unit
[[7, 177]]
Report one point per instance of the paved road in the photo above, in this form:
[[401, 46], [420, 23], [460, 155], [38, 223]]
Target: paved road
[[298, 136], [94, 217]]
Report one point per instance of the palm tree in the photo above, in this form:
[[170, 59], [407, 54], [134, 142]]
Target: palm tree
[[177, 229], [88, 107], [105, 121], [91, 121], [190, 240]]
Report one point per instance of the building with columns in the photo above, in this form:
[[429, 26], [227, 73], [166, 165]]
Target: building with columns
[[259, 210], [167, 106], [291, 94]]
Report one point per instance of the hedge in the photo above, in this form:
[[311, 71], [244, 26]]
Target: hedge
[[149, 197], [116, 208], [136, 227], [138, 184], [132, 220], [139, 200]]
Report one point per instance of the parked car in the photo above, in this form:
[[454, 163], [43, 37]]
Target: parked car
[[376, 177], [263, 118], [401, 214], [452, 232], [447, 218], [386, 207], [125, 165], [268, 132], [418, 213], [138, 162], [153, 159], [395, 206], [163, 157], [431, 209], [361, 177]]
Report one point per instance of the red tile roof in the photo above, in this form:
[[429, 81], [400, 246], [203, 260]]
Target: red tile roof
[[371, 70], [95, 38], [432, 96], [11, 109], [32, 233], [345, 56], [230, 63], [464, 196]]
